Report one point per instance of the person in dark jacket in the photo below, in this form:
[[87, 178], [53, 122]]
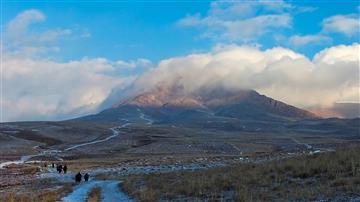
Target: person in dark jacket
[[59, 168], [78, 177], [86, 177], [65, 169], [53, 165]]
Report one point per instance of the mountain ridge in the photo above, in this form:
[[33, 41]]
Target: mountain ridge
[[171, 103]]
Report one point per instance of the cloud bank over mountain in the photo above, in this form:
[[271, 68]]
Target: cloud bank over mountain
[[332, 76]]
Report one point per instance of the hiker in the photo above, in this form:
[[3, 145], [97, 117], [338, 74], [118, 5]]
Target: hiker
[[59, 168], [53, 165], [65, 169], [86, 177], [78, 177]]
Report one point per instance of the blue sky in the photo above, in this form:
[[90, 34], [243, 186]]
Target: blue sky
[[63, 59], [119, 29], [130, 30]]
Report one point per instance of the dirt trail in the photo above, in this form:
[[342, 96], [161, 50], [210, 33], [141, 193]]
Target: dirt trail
[[25, 158], [110, 191], [142, 116], [115, 134]]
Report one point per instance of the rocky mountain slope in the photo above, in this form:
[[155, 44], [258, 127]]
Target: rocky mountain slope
[[174, 104]]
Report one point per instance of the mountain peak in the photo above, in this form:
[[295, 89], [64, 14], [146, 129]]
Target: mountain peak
[[242, 104], [176, 95]]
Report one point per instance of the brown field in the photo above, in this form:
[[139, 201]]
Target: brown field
[[314, 177], [36, 195]]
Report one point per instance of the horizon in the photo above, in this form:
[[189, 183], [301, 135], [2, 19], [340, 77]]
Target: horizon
[[60, 65]]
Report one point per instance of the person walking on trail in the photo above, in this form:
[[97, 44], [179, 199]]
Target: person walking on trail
[[59, 168], [65, 169], [53, 165], [78, 177], [86, 177]]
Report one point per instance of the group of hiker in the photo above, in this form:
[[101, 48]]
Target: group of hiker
[[78, 177], [60, 168], [63, 168]]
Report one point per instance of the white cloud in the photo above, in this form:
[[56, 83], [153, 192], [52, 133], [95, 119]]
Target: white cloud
[[19, 35], [338, 53], [52, 35], [133, 63], [303, 40], [20, 23], [278, 72], [242, 10], [241, 21], [345, 24], [40, 89]]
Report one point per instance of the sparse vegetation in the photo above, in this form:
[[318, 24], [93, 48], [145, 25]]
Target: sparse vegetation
[[37, 196], [312, 177], [33, 136]]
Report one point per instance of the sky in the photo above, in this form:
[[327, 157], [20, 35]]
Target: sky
[[63, 59]]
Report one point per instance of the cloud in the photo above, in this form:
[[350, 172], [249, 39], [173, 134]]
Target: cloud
[[348, 25], [20, 23], [133, 63], [338, 53], [333, 75], [40, 89], [303, 40], [19, 35], [245, 21]]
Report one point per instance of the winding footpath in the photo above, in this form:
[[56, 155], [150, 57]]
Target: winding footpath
[[115, 134], [25, 158], [22, 160], [143, 117]]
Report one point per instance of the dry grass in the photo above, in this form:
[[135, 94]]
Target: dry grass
[[37, 196], [16, 175], [33, 136], [312, 177], [94, 195]]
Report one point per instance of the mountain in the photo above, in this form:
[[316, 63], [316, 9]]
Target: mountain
[[175, 104]]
